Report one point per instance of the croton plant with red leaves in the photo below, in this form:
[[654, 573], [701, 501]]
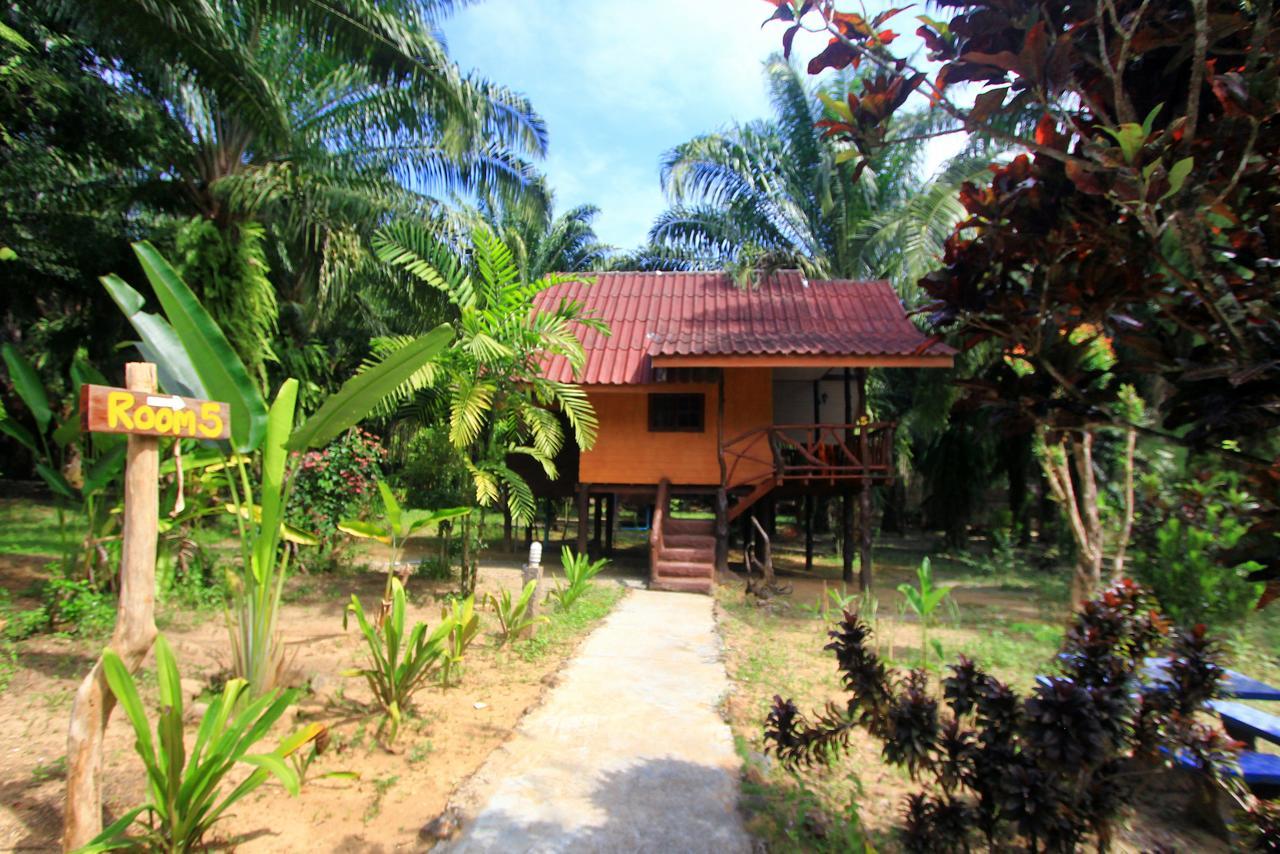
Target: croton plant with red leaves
[[1145, 204]]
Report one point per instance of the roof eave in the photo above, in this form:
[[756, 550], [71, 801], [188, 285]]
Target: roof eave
[[806, 360]]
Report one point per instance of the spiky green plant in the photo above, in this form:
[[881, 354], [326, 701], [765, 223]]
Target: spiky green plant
[[394, 529], [923, 602], [465, 626], [399, 663], [578, 572], [513, 613], [185, 796]]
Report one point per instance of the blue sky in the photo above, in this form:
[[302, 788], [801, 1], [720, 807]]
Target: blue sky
[[619, 82]]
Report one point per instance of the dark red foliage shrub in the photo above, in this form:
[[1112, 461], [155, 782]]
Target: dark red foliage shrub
[[1050, 768]]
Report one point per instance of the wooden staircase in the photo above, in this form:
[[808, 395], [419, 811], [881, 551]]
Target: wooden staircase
[[682, 552]]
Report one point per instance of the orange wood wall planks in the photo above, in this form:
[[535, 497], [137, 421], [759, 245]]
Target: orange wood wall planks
[[627, 453]]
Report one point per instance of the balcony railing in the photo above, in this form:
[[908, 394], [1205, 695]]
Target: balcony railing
[[812, 453]]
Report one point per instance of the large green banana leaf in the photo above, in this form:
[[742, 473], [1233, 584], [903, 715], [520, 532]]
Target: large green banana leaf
[[220, 370], [360, 394], [26, 382], [159, 344], [274, 457]]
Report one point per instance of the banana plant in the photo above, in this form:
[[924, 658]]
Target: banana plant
[[194, 357], [924, 601], [394, 529], [75, 466]]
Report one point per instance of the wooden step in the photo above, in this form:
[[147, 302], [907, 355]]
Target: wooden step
[[705, 527], [682, 585], [689, 541], [699, 555], [684, 569], [743, 504]]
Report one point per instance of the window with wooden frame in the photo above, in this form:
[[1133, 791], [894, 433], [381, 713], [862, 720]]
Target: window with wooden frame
[[677, 413]]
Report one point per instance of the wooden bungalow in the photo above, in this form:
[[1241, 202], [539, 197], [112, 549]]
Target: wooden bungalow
[[733, 394]]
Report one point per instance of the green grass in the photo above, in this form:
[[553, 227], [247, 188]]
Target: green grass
[[564, 627], [29, 528]]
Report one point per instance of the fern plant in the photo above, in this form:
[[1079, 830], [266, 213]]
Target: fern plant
[[184, 788], [465, 625], [513, 614], [399, 663], [578, 572], [491, 387]]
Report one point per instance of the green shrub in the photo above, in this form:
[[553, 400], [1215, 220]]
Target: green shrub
[[1181, 539], [513, 615], [336, 482], [184, 797], [399, 664], [8, 662], [80, 608], [20, 625], [432, 470], [578, 572]]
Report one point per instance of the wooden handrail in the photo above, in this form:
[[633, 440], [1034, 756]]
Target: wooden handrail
[[659, 522], [824, 451]]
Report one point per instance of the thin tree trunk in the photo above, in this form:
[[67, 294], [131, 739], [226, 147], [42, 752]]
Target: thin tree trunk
[[1126, 529], [134, 633], [1056, 462]]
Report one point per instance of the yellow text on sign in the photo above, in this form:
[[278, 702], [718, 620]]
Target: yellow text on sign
[[124, 412]]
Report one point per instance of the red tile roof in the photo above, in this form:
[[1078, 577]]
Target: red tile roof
[[706, 314]]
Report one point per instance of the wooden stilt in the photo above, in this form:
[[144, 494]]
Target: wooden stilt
[[722, 531], [584, 509], [847, 539], [597, 527], [551, 521], [611, 501], [808, 533], [864, 496]]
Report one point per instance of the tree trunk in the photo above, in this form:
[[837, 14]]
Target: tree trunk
[[508, 539], [1080, 506], [1126, 530], [847, 538], [134, 633]]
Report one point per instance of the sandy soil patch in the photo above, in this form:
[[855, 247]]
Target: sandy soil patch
[[447, 739]]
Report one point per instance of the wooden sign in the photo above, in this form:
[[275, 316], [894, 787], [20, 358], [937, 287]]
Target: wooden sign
[[116, 410]]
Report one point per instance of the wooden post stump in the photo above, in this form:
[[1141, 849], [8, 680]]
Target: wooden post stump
[[134, 633]]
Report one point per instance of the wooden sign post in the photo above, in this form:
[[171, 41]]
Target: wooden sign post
[[146, 416]]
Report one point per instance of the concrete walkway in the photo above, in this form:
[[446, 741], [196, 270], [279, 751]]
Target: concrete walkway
[[627, 752]]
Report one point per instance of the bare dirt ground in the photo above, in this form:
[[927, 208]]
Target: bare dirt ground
[[399, 790]]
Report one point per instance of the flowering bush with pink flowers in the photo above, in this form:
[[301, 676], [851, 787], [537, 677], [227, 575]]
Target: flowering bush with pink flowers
[[336, 482]]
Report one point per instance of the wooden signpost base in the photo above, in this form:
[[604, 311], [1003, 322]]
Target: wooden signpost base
[[135, 629]]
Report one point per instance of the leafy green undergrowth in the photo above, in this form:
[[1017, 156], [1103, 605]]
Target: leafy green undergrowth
[[564, 627]]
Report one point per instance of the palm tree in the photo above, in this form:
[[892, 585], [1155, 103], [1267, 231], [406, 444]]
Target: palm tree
[[490, 387], [543, 243], [300, 126], [775, 193]]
